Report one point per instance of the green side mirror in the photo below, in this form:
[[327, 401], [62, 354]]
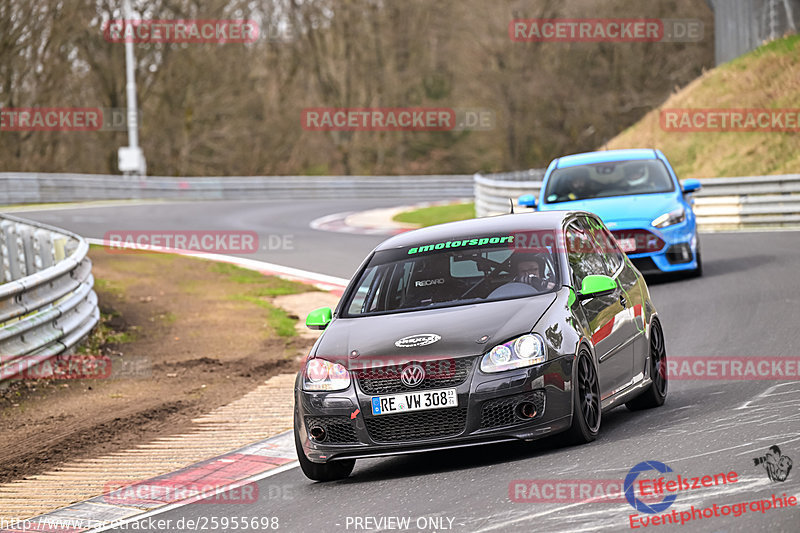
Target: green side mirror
[[596, 286], [319, 318]]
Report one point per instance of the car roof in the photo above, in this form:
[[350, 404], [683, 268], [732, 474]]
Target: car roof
[[467, 229], [606, 156]]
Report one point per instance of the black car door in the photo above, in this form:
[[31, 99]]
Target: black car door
[[607, 316], [634, 293]]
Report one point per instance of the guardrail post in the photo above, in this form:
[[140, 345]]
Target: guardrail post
[[28, 249], [11, 264], [59, 249], [44, 244]]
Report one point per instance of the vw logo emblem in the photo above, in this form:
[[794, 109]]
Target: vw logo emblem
[[412, 375]]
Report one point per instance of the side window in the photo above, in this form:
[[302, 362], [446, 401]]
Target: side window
[[357, 304], [612, 256], [615, 258], [585, 256]]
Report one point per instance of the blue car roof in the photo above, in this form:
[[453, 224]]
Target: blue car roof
[[605, 157]]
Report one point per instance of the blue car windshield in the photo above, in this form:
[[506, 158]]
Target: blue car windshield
[[602, 180], [456, 272]]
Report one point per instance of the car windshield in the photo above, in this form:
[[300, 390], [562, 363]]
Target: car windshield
[[454, 272], [602, 180]]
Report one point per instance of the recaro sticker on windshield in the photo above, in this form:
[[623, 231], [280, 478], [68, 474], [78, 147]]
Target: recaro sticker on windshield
[[458, 244]]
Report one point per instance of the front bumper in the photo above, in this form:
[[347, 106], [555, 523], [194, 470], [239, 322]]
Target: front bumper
[[676, 252], [488, 407]]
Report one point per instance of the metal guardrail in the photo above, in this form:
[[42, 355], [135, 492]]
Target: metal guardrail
[[23, 187], [723, 203], [47, 305]]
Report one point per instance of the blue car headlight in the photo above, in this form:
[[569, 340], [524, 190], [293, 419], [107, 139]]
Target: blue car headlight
[[322, 375], [527, 350], [669, 219]]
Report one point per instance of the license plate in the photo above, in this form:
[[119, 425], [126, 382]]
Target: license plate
[[627, 245], [414, 401]]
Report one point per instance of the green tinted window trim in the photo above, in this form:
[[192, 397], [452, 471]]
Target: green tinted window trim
[[508, 239], [319, 317]]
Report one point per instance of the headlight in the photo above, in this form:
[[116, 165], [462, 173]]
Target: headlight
[[671, 218], [324, 375], [527, 350]]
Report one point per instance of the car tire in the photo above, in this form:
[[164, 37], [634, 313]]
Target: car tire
[[586, 407], [330, 471], [656, 393]]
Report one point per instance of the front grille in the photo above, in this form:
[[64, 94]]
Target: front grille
[[645, 241], [338, 429], [417, 426], [438, 374], [645, 265], [501, 411]]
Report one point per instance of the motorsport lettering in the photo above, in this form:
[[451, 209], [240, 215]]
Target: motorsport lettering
[[456, 244]]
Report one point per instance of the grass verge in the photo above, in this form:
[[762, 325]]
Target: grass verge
[[766, 78], [438, 214], [258, 289]]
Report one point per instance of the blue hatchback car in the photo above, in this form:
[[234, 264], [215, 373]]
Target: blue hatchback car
[[638, 196]]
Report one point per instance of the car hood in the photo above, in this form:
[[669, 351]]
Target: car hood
[[645, 207], [460, 329]]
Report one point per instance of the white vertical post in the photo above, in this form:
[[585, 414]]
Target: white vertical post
[[130, 84], [773, 20], [131, 159]]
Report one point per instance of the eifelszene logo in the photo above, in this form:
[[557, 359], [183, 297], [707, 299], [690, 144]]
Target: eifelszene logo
[[630, 494]]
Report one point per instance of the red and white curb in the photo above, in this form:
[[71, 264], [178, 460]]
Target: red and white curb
[[337, 222], [216, 476], [374, 221], [219, 476]]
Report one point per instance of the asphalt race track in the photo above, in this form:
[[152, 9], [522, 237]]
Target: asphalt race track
[[746, 304]]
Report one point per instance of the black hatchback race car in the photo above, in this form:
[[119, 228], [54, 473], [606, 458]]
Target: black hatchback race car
[[481, 331]]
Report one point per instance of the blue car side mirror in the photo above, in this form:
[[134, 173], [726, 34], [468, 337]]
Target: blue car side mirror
[[691, 185], [527, 200]]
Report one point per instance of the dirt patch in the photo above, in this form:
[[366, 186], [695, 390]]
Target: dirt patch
[[184, 336], [300, 305]]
